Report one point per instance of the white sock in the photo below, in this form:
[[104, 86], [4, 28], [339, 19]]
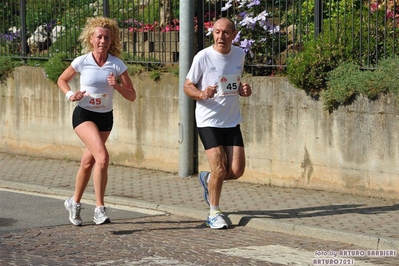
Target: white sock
[[209, 177], [214, 209], [74, 202]]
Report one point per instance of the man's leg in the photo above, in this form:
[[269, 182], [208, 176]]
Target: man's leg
[[235, 162], [217, 160]]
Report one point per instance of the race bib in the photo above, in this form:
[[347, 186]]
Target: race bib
[[229, 84], [95, 101]]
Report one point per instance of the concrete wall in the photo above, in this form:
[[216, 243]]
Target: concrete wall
[[290, 139]]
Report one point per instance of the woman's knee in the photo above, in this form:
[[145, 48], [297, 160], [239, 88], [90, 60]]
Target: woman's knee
[[102, 159], [87, 162]]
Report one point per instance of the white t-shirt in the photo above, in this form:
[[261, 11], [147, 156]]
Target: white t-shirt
[[206, 70], [93, 80]]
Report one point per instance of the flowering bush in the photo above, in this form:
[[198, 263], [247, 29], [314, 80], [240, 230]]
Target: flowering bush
[[256, 31], [11, 41], [390, 8], [137, 26]]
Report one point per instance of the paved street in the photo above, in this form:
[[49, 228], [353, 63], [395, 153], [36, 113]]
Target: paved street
[[158, 219], [164, 240]]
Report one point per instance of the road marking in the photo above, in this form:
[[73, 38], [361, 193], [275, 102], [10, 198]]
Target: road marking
[[281, 255], [89, 202]]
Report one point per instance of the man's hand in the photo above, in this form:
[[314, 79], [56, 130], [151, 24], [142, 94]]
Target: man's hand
[[245, 90], [209, 92]]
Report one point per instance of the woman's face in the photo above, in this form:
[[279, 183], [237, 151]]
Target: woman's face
[[101, 39]]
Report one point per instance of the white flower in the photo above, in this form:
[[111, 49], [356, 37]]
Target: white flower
[[262, 16], [227, 5]]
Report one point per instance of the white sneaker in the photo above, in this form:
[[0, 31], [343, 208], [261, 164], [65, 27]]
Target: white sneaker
[[74, 211], [100, 216], [216, 220]]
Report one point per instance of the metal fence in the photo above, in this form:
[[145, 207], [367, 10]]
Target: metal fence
[[38, 29]]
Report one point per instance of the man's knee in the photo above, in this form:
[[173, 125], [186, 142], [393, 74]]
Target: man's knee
[[236, 174]]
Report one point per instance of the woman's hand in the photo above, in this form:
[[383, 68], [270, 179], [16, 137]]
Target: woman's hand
[[77, 96], [111, 79]]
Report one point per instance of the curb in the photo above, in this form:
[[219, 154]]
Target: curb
[[364, 240]]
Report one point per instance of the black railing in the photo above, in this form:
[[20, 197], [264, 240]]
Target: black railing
[[38, 29]]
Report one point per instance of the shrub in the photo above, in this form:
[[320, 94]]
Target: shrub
[[55, 66], [348, 80], [388, 74], [6, 67], [309, 69], [343, 83], [134, 69], [155, 75], [360, 37]]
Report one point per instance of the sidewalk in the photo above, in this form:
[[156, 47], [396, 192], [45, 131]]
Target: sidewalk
[[363, 221]]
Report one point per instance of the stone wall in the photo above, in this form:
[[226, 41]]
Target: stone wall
[[290, 139]]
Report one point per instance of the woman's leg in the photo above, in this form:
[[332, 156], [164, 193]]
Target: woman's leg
[[83, 176], [96, 155]]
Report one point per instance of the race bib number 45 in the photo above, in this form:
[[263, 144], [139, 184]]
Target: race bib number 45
[[95, 101], [229, 84]]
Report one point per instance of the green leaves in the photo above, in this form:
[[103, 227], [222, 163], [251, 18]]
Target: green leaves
[[55, 66], [348, 80]]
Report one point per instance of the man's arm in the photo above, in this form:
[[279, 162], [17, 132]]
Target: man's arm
[[194, 93], [191, 90]]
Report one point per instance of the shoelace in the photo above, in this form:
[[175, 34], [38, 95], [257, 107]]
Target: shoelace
[[76, 211], [216, 216], [102, 211]]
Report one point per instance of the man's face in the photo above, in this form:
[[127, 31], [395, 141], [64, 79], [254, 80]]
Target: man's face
[[223, 35]]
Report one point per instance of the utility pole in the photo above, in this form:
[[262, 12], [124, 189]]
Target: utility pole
[[186, 104]]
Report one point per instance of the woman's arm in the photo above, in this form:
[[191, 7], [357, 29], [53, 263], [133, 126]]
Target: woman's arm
[[125, 88], [62, 83]]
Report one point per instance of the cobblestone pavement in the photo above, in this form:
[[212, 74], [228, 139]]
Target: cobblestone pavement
[[364, 221], [167, 240]]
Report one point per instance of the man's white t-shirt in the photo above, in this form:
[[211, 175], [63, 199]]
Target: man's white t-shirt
[[93, 80], [209, 68]]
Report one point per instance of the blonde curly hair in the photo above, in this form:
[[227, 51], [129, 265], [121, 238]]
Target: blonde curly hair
[[115, 48]]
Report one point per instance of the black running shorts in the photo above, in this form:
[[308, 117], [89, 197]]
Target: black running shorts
[[213, 136], [104, 121]]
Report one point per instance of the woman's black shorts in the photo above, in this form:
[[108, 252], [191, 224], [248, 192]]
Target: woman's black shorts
[[104, 121], [213, 136]]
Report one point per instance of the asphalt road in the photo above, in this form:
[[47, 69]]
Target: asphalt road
[[35, 230], [19, 210]]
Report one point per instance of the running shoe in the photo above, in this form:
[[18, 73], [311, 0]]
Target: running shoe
[[74, 211], [100, 216], [216, 220], [203, 179]]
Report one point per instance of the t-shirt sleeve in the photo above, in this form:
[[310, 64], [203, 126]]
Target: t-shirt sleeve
[[120, 67], [195, 72], [77, 64]]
